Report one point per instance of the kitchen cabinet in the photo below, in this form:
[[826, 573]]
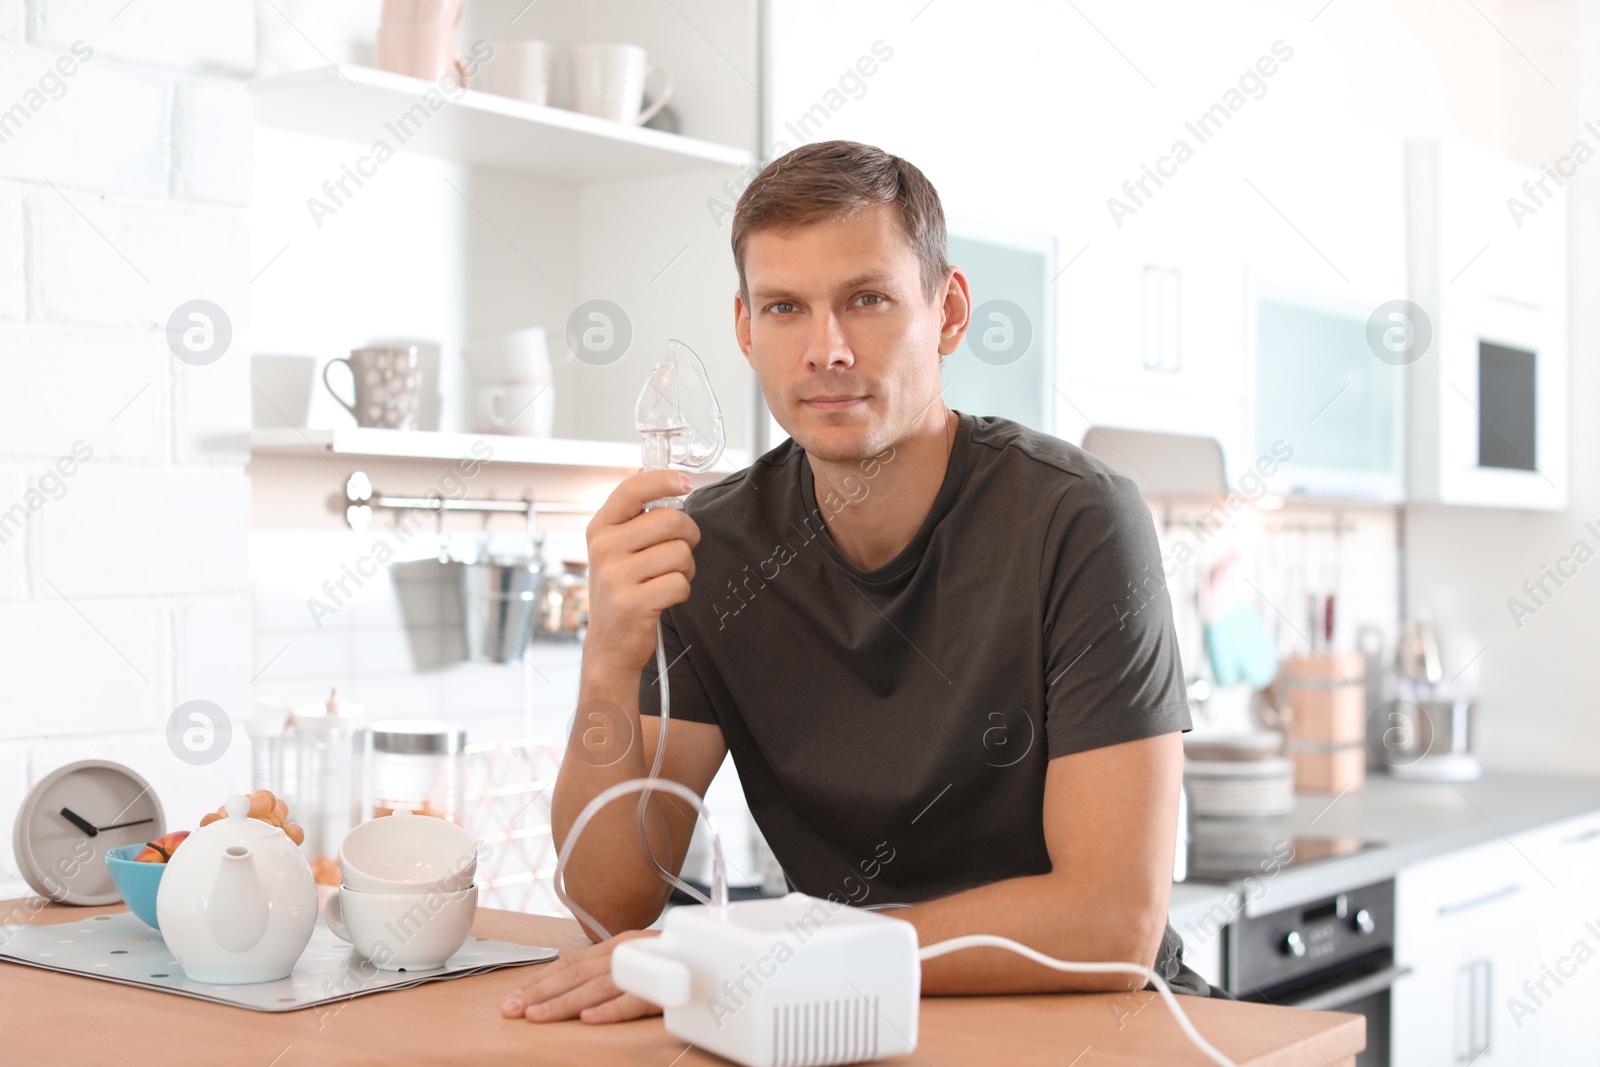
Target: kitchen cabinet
[[1325, 243], [1489, 399], [1151, 331], [1458, 925], [1493, 934]]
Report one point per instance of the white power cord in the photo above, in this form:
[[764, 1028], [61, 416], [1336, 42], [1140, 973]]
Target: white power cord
[[956, 944]]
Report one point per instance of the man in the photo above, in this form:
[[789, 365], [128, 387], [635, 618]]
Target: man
[[937, 646]]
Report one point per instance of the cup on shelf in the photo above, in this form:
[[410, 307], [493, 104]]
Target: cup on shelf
[[280, 390], [386, 386], [520, 69], [514, 408], [515, 393], [418, 38], [520, 356], [608, 81]]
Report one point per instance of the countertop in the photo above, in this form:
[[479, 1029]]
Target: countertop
[[1412, 821], [64, 1020]]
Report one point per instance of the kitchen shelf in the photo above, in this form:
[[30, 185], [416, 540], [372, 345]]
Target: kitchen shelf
[[365, 105], [428, 444]]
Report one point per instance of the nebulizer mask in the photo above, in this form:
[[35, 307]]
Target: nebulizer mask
[[678, 417], [733, 978]]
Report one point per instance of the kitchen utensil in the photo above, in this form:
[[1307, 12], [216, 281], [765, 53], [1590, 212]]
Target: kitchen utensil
[[500, 596], [608, 81], [416, 766], [280, 390], [520, 69], [408, 853], [1431, 740], [416, 931], [137, 882], [1240, 648], [515, 409], [1418, 656], [237, 903], [386, 386]]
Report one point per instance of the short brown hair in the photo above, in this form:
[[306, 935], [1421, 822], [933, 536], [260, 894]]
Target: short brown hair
[[836, 179]]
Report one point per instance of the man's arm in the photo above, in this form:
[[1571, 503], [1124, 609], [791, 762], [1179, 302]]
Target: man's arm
[[1110, 824]]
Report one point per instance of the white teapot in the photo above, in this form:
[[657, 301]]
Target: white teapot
[[237, 902]]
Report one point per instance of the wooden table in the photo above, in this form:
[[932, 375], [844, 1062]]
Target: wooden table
[[62, 1020]]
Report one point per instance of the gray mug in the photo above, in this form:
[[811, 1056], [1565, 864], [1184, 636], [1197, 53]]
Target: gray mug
[[387, 386]]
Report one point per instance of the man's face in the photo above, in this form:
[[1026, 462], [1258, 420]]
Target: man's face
[[841, 335]]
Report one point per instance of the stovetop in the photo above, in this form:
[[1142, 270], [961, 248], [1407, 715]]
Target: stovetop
[[1219, 857]]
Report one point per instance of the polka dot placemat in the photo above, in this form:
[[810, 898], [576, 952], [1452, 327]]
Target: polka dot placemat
[[120, 948]]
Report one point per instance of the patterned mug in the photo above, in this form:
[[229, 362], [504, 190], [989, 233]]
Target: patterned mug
[[387, 386]]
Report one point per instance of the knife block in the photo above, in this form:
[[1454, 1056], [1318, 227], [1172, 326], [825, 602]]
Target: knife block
[[1327, 723]]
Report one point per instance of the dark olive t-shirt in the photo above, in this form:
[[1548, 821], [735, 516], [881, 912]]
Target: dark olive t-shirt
[[891, 727]]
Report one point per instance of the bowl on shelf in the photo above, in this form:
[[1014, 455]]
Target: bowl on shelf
[[137, 882]]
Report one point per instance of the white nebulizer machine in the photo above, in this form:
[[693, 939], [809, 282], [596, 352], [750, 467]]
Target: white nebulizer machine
[[792, 981]]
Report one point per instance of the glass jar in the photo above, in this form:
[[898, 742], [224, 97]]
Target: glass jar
[[417, 765]]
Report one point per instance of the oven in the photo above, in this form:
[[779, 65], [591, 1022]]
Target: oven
[[1333, 954]]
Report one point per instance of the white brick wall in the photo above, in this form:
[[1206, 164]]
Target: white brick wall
[[114, 262], [12, 19], [106, 128], [13, 294], [123, 592], [213, 35]]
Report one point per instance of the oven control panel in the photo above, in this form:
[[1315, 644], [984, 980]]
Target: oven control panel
[[1298, 942]]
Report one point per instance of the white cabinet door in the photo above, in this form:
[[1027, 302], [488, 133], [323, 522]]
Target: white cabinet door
[[1552, 1002], [1461, 923]]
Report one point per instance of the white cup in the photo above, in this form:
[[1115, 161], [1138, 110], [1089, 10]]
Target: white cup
[[519, 69], [608, 82], [407, 853], [403, 931], [514, 408], [522, 356], [280, 388]]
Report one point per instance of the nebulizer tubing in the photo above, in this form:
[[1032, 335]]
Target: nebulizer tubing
[[956, 944]]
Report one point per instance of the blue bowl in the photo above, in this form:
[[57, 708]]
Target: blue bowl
[[137, 882]]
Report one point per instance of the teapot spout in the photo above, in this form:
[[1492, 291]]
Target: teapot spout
[[237, 908]]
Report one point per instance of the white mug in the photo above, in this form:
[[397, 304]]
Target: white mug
[[608, 82], [280, 389], [403, 931], [524, 408], [518, 69], [522, 356]]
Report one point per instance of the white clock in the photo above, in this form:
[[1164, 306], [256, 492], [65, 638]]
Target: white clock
[[71, 818]]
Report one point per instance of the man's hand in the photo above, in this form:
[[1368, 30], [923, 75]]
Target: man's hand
[[640, 563], [580, 985]]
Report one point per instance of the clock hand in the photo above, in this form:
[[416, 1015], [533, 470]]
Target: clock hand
[[120, 825], [79, 821]]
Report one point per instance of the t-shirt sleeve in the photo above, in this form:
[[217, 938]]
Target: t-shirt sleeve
[[685, 691], [1111, 653]]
